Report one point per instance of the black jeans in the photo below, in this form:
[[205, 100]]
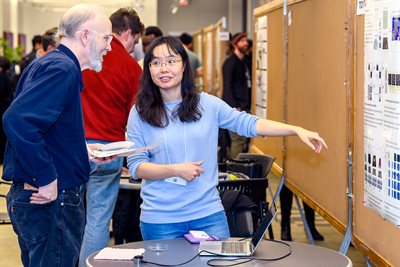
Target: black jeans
[[49, 234]]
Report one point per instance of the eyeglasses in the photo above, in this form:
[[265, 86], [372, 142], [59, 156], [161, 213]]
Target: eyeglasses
[[107, 37], [156, 64]]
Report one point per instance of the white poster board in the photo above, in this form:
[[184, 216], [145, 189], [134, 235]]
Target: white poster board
[[261, 66], [382, 108]]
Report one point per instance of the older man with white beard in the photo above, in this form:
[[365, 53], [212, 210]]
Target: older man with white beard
[[46, 156]]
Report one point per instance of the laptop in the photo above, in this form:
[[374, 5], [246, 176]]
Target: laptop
[[236, 247]]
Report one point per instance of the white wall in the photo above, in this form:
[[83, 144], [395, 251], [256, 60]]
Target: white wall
[[198, 14], [22, 18], [235, 17], [32, 21]]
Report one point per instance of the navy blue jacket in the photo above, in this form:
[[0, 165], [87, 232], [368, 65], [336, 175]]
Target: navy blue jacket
[[44, 124]]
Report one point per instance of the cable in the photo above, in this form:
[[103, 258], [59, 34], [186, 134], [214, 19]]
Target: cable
[[241, 259], [281, 257], [176, 264], [215, 262]]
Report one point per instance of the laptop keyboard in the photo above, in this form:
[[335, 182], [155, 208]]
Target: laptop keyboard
[[234, 247]]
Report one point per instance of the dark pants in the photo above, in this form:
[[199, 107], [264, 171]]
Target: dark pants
[[49, 234], [125, 223], [286, 199]]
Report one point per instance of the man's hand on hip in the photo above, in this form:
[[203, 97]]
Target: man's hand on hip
[[46, 194]]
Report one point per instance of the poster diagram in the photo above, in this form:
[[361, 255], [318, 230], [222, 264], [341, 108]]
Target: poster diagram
[[382, 108], [261, 66]]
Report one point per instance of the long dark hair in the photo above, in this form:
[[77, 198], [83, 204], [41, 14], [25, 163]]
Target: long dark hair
[[149, 102]]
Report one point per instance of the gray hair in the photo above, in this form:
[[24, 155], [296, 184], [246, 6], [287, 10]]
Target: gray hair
[[76, 16]]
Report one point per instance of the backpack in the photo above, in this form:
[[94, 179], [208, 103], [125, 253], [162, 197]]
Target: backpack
[[241, 212]]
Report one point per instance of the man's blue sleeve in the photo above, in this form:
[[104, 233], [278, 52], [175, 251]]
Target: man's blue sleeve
[[30, 118]]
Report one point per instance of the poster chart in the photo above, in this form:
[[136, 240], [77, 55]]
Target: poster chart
[[382, 108], [261, 66]]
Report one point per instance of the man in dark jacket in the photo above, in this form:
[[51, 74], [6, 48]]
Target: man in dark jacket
[[237, 86]]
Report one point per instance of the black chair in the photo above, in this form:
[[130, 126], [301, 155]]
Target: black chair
[[266, 161], [4, 218]]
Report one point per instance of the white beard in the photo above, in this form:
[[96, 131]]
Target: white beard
[[95, 58]]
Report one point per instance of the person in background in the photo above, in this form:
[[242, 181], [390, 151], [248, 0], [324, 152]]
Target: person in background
[[236, 77], [180, 175], [153, 30], [151, 33], [125, 219], [146, 41], [18, 67], [49, 40], [249, 52], [286, 199], [6, 96], [137, 53], [107, 100], [46, 155], [195, 63], [36, 46]]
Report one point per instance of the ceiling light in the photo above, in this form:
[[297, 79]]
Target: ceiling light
[[174, 9]]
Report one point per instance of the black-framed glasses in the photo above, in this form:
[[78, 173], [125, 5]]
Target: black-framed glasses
[[156, 63]]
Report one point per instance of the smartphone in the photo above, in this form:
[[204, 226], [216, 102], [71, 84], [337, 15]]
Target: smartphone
[[195, 237], [199, 234], [192, 239]]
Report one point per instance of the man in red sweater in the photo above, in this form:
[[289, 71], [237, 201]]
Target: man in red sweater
[[107, 99]]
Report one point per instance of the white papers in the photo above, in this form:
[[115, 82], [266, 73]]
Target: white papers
[[123, 254], [122, 152], [116, 145]]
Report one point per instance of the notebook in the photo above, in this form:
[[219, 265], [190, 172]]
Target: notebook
[[239, 248]]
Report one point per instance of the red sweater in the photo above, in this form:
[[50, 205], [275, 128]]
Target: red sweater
[[109, 95]]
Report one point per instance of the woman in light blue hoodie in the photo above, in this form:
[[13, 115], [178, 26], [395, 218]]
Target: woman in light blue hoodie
[[180, 176]]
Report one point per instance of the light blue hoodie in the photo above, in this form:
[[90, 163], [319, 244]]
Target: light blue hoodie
[[165, 202]]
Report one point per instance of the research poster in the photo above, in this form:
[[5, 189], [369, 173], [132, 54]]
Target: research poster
[[261, 66], [382, 108]]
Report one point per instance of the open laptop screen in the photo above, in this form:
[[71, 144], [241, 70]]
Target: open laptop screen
[[258, 235]]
